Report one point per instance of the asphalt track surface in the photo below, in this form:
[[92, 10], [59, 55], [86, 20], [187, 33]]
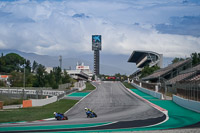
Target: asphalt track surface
[[112, 103]]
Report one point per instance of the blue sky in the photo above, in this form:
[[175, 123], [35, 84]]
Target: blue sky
[[54, 27]]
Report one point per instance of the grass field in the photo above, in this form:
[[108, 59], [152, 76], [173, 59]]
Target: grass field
[[89, 87], [36, 113], [128, 85]]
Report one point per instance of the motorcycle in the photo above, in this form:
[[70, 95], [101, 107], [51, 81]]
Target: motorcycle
[[59, 116], [90, 114]]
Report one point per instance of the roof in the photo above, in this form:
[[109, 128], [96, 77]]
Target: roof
[[163, 71], [180, 77], [4, 76], [136, 55], [144, 58]]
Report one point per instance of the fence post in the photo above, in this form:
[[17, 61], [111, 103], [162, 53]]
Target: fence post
[[156, 88]]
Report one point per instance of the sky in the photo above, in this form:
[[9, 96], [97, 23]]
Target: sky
[[65, 27]]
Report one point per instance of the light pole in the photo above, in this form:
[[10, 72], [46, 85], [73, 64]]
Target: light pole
[[24, 75], [164, 83]]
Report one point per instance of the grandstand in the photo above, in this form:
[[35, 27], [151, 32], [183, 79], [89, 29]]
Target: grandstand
[[145, 58], [180, 78], [191, 74], [169, 72]]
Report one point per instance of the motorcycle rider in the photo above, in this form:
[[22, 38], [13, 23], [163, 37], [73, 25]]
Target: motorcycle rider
[[59, 116], [87, 109]]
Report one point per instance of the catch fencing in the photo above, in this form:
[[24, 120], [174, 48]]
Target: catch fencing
[[188, 89], [150, 86]]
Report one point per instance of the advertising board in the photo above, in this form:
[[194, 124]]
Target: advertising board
[[96, 42]]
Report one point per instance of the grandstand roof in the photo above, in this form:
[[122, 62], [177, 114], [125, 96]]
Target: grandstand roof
[[180, 77], [163, 71], [140, 58]]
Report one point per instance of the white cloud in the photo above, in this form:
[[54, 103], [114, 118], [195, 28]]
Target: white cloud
[[48, 27]]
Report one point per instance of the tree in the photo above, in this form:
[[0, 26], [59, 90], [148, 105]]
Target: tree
[[57, 72], [16, 79], [148, 70], [28, 65], [175, 60], [40, 76], [11, 62], [52, 80], [34, 66], [195, 58], [66, 78], [30, 79], [2, 63], [2, 83]]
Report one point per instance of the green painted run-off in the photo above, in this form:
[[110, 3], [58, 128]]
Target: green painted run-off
[[78, 94]]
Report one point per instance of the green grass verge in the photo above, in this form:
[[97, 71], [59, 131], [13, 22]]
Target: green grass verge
[[128, 85], [36, 113], [89, 87]]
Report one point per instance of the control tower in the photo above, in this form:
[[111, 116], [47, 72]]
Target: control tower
[[96, 47]]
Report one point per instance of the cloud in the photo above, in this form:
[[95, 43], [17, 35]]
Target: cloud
[[81, 15], [187, 25], [57, 27]]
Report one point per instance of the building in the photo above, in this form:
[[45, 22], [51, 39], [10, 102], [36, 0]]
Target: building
[[145, 58], [81, 72], [85, 69], [4, 78]]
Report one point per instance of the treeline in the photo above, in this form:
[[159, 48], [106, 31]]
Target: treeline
[[35, 75], [194, 56]]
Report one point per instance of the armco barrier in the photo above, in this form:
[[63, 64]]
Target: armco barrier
[[42, 102], [186, 103], [152, 93]]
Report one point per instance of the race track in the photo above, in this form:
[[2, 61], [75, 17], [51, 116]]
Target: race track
[[112, 103]]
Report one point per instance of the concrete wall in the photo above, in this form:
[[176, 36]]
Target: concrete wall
[[189, 104], [64, 86], [42, 102], [152, 93], [79, 85]]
